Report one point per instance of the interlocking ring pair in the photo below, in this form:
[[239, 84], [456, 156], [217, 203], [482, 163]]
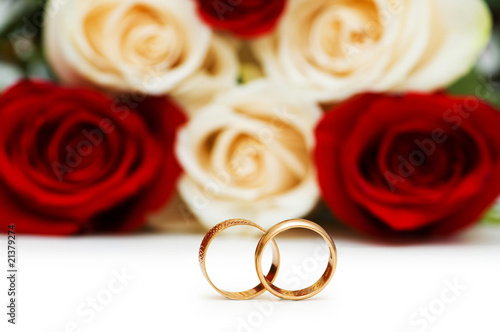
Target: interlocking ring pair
[[267, 281]]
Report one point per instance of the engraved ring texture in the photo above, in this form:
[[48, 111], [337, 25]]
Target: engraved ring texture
[[217, 229], [267, 280], [307, 292]]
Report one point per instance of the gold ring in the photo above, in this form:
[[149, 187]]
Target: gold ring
[[307, 292], [257, 290]]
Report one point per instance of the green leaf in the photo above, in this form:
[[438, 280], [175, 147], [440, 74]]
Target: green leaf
[[493, 216], [475, 84]]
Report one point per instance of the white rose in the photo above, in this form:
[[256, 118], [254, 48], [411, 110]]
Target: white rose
[[119, 45], [219, 72], [333, 49], [248, 155]]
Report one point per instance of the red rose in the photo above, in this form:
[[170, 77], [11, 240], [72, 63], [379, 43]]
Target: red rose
[[73, 160], [428, 164], [244, 18]]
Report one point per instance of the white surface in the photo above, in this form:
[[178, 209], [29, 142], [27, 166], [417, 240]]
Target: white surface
[[377, 287]]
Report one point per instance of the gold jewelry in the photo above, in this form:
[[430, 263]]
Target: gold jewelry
[[257, 290], [322, 281]]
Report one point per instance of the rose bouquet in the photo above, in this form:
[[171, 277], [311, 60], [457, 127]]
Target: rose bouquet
[[249, 109]]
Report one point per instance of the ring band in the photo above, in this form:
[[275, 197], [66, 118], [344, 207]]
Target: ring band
[[257, 290], [307, 292]]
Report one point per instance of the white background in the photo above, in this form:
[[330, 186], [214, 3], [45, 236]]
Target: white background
[[377, 286]]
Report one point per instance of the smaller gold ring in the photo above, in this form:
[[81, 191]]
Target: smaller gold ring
[[251, 293], [307, 292]]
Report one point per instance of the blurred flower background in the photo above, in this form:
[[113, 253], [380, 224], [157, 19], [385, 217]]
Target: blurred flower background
[[20, 41], [207, 62], [486, 74], [487, 71], [21, 22]]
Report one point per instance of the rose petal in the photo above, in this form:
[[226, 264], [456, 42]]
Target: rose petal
[[460, 31]]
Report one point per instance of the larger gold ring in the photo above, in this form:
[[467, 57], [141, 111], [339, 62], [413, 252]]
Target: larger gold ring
[[319, 285], [251, 293]]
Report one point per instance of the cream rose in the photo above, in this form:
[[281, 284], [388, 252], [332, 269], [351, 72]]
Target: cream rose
[[219, 72], [119, 45], [333, 49], [248, 155]]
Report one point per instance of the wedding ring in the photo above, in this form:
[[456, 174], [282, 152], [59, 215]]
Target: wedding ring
[[307, 292], [257, 290]]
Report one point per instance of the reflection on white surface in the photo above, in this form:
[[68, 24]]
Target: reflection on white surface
[[375, 288]]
